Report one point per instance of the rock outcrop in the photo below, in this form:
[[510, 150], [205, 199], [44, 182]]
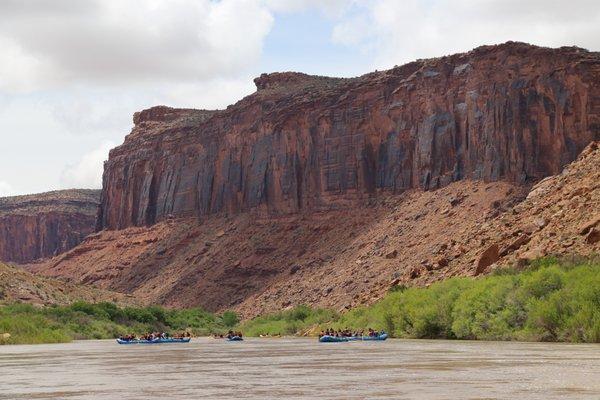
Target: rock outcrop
[[46, 224], [510, 112]]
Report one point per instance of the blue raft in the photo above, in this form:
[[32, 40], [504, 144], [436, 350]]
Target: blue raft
[[235, 339], [383, 336], [155, 341], [335, 339]]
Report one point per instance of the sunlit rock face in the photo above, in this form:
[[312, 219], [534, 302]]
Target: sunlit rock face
[[510, 112]]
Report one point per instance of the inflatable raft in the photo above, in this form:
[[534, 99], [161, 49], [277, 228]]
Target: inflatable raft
[[235, 339], [383, 336], [334, 339], [155, 341]]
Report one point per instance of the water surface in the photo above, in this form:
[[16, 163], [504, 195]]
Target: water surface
[[301, 369]]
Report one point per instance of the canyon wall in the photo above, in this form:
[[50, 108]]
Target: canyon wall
[[511, 112], [46, 224], [341, 259]]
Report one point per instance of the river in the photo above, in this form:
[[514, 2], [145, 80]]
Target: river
[[299, 369]]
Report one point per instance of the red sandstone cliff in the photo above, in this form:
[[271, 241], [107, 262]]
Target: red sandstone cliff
[[510, 112], [344, 258], [332, 172], [46, 224]]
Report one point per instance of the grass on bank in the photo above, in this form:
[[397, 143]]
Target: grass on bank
[[28, 324], [300, 320], [552, 300]]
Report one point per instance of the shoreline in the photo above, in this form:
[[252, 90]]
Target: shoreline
[[253, 339], [552, 301]]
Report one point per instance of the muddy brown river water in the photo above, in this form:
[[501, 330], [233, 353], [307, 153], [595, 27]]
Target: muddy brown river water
[[301, 369]]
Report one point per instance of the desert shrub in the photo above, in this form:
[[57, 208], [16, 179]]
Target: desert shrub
[[554, 300], [297, 320], [230, 319]]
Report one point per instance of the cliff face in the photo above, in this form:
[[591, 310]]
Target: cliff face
[[510, 112], [43, 225], [344, 258]]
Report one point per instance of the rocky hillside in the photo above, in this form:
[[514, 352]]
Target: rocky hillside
[[338, 258], [19, 285], [510, 112], [45, 224], [330, 191], [560, 216]]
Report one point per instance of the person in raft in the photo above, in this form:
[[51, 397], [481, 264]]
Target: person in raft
[[349, 333], [232, 334], [342, 333], [155, 336]]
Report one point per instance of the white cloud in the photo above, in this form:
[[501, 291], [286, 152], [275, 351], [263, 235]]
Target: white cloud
[[112, 42], [16, 67], [330, 7], [6, 189], [394, 32], [214, 94], [87, 172], [82, 68]]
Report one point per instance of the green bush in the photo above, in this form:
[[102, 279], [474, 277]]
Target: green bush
[[553, 300], [290, 322], [80, 320], [230, 319]]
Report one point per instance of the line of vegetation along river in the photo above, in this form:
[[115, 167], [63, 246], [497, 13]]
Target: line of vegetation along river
[[551, 300]]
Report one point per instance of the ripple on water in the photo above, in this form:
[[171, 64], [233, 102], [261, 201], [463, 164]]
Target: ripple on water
[[300, 368]]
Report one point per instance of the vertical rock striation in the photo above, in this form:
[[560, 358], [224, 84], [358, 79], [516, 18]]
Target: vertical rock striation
[[46, 224], [511, 112]]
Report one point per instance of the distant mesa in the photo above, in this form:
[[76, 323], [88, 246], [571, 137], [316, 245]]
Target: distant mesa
[[45, 224]]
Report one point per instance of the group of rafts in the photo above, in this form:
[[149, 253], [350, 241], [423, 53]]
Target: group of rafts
[[328, 336]]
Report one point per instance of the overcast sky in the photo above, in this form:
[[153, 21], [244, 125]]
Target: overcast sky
[[72, 72]]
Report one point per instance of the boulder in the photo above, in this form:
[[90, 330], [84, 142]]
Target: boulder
[[587, 226], [414, 273], [392, 254], [540, 222], [529, 255], [442, 262], [593, 236], [395, 282], [487, 258], [515, 245]]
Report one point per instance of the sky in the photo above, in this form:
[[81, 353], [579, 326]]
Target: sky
[[73, 72]]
